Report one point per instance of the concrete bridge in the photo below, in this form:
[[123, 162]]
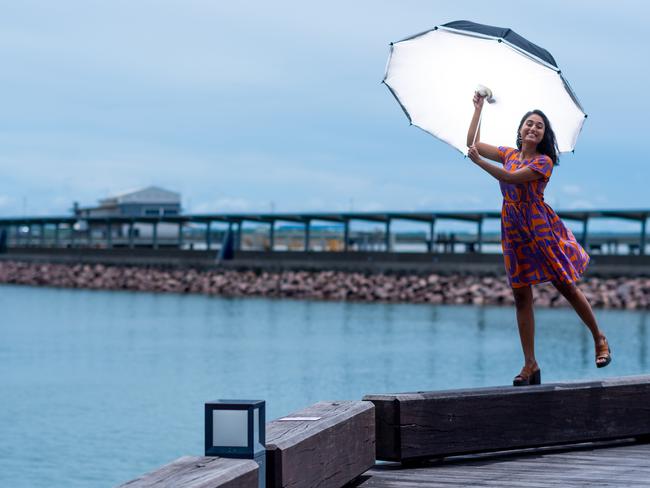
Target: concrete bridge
[[306, 231]]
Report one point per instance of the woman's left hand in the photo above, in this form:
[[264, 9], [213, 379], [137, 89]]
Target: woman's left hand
[[473, 154]]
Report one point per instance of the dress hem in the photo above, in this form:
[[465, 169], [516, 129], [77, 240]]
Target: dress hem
[[539, 282]]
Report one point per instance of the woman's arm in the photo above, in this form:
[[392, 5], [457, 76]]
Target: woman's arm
[[485, 150], [520, 176]]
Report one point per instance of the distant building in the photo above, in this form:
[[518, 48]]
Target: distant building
[[147, 202]]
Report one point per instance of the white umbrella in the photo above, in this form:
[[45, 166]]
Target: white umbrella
[[434, 74]]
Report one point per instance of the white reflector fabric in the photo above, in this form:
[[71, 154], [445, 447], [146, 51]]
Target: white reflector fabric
[[434, 75]]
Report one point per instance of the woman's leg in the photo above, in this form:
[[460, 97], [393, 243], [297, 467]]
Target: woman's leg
[[579, 302], [526, 322]]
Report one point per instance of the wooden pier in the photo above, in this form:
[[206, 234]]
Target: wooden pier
[[574, 434]]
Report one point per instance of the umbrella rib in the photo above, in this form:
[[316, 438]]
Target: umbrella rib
[[390, 56], [408, 116], [498, 39], [572, 94], [466, 33], [417, 35]]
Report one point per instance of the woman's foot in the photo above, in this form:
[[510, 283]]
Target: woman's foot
[[603, 352], [530, 375]]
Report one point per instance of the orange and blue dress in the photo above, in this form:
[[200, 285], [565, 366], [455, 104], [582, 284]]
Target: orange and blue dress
[[537, 247]]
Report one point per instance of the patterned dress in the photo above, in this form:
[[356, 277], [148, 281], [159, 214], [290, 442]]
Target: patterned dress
[[537, 247]]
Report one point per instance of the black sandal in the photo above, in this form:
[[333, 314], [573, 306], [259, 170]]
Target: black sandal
[[604, 353], [528, 376]]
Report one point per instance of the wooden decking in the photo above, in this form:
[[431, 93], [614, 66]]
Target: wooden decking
[[569, 435], [614, 464]]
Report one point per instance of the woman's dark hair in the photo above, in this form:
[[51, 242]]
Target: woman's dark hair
[[548, 145]]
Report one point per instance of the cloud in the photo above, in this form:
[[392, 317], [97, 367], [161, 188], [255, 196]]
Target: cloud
[[239, 104], [571, 189], [581, 205], [5, 201], [223, 205]]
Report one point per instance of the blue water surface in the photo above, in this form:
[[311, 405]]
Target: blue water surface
[[99, 387]]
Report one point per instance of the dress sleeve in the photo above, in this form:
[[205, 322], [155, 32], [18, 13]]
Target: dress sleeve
[[504, 153], [542, 164]]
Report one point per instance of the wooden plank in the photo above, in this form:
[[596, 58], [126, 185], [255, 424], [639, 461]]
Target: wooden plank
[[603, 465], [201, 472], [422, 425], [328, 452]]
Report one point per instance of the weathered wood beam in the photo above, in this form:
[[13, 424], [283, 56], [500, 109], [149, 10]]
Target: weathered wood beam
[[201, 472], [327, 452], [425, 425]]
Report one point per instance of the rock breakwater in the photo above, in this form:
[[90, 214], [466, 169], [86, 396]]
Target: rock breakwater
[[621, 292]]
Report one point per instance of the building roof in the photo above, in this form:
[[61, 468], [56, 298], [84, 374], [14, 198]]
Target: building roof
[[150, 194]]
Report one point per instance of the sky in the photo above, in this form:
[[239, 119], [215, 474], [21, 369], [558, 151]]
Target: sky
[[256, 106]]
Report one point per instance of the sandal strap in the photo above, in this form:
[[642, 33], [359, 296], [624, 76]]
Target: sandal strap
[[602, 349], [527, 371]]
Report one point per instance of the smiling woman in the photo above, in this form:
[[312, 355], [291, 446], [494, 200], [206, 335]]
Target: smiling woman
[[537, 246]]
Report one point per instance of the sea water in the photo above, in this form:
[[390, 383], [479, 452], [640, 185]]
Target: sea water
[[99, 387]]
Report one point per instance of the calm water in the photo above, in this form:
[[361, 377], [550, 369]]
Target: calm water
[[97, 388]]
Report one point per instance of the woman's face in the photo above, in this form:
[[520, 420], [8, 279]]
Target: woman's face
[[532, 130]]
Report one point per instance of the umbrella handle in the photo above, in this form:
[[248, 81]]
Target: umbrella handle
[[478, 126]]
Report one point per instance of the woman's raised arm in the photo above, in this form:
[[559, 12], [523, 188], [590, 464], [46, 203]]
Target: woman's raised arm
[[485, 150]]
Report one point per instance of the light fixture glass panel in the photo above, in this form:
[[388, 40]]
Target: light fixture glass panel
[[230, 428]]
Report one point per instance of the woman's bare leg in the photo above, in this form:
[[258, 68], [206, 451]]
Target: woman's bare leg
[[579, 302], [526, 322]]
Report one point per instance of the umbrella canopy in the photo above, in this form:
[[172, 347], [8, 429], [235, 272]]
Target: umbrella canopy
[[434, 74]]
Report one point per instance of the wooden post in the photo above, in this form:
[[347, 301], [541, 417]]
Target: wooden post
[[480, 235], [346, 234], [238, 243], [272, 235]]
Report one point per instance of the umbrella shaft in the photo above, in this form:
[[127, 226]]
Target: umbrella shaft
[[478, 126]]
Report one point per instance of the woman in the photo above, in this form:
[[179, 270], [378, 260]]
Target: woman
[[537, 247]]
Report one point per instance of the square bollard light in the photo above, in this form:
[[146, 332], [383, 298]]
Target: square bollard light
[[237, 429]]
